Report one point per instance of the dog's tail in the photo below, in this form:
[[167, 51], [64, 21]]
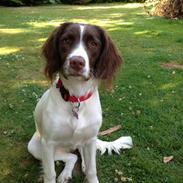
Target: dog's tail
[[116, 146]]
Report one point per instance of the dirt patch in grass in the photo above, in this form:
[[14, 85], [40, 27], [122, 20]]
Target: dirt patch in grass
[[25, 162], [172, 65]]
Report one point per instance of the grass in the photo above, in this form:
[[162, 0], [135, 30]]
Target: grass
[[147, 99]]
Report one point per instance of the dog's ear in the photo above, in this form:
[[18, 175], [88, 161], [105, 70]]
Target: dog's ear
[[51, 52], [109, 60]]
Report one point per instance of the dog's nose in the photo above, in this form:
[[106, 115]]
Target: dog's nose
[[77, 63]]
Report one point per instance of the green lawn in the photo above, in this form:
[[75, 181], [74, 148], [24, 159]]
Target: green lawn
[[147, 98]]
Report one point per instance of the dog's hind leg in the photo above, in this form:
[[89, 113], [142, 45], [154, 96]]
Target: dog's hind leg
[[70, 160], [34, 146]]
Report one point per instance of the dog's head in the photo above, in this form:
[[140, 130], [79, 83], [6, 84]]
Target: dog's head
[[82, 51]]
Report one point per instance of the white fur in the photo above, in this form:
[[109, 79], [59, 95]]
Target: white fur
[[80, 51], [121, 143], [58, 132]]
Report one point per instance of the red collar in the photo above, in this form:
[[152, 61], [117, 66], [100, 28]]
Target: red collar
[[66, 96]]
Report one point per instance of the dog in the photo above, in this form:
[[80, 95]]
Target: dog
[[68, 116]]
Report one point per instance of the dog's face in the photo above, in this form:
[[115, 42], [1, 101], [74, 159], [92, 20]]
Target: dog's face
[[80, 46], [82, 51]]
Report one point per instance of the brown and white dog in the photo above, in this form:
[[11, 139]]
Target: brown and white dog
[[68, 115]]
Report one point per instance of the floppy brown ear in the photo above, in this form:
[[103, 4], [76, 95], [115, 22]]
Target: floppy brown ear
[[109, 60], [51, 52]]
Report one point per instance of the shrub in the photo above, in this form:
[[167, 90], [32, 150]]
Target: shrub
[[166, 8], [26, 2], [38, 2], [110, 1], [11, 2], [75, 1]]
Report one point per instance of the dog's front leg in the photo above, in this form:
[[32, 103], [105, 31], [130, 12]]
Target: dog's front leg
[[89, 152], [48, 161]]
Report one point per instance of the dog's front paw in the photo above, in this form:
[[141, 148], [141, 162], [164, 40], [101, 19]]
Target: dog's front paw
[[92, 177], [49, 181], [64, 177], [93, 180]]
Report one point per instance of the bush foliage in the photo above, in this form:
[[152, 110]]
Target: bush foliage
[[26, 2], [110, 1], [38, 2], [166, 8]]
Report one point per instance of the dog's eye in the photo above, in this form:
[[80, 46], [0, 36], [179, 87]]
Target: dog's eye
[[67, 41], [92, 44]]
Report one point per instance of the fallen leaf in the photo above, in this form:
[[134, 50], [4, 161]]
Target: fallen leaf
[[167, 159]]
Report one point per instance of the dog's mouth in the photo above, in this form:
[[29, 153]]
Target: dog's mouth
[[81, 75]]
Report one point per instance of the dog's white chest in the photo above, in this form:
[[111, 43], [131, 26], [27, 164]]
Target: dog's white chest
[[72, 132], [61, 126]]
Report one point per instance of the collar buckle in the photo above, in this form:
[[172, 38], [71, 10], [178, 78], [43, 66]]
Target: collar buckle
[[75, 108]]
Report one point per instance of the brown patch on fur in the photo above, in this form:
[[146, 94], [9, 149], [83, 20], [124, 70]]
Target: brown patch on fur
[[105, 59], [172, 65], [50, 51], [109, 61]]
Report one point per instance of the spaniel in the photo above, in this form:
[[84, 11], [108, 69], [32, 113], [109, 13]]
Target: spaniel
[[68, 116]]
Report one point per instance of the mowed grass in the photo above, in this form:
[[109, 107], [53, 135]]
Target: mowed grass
[[146, 99]]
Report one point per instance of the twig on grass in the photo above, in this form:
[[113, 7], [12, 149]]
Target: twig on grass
[[110, 130]]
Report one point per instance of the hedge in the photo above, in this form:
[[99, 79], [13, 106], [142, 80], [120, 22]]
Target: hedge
[[39, 2], [27, 2]]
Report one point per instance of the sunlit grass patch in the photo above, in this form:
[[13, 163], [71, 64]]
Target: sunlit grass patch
[[45, 24], [13, 31], [8, 50], [42, 39], [22, 84], [112, 6]]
